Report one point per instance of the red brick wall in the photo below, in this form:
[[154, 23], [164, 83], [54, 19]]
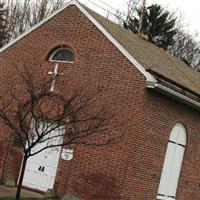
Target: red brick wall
[[131, 168], [4, 145], [156, 121], [163, 113], [10, 157]]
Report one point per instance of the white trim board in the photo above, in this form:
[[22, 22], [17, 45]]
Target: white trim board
[[151, 82], [172, 93], [148, 76], [35, 27]]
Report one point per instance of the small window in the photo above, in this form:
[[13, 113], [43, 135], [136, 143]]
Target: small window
[[62, 54]]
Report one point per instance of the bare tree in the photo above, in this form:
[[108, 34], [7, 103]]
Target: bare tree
[[187, 48], [121, 17], [167, 31], [131, 9], [22, 16], [79, 118], [3, 24]]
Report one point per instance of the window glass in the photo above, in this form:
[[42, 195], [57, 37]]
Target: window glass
[[62, 55]]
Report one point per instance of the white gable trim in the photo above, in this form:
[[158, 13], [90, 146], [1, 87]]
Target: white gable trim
[[35, 27], [148, 76]]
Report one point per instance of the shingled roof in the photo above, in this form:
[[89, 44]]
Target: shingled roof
[[152, 57], [148, 55]]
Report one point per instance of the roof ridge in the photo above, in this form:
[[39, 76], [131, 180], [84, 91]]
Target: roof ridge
[[173, 63], [136, 35], [142, 54], [99, 26]]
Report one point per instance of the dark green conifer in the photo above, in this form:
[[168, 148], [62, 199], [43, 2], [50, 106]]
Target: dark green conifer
[[158, 25]]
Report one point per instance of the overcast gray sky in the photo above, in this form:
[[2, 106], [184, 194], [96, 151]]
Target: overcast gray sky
[[188, 8]]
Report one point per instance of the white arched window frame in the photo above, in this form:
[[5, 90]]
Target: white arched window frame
[[67, 57], [172, 163]]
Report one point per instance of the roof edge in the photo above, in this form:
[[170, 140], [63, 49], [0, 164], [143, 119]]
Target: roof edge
[[175, 95], [148, 76], [73, 2]]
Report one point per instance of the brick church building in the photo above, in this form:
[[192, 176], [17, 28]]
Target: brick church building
[[159, 156]]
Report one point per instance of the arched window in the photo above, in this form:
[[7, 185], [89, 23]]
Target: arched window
[[172, 164], [62, 54]]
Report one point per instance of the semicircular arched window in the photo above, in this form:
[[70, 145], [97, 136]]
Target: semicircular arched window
[[62, 54]]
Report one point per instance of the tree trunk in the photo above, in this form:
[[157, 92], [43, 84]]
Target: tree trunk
[[142, 17], [19, 186]]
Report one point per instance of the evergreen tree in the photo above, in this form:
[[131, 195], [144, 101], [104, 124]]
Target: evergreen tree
[[158, 25]]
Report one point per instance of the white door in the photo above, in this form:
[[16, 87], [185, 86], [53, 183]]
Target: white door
[[40, 172]]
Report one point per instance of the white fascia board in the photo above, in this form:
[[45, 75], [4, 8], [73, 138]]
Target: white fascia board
[[148, 76], [174, 94]]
